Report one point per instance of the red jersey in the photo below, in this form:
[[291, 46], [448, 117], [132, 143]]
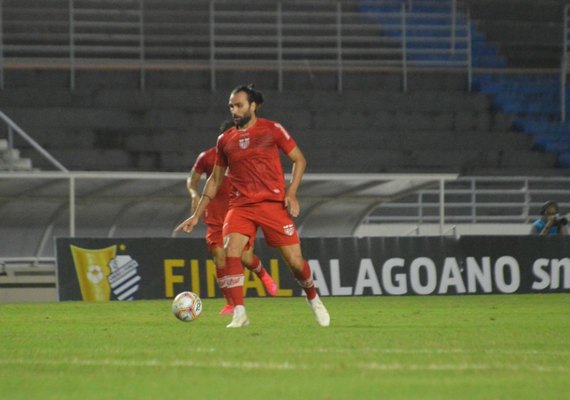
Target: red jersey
[[253, 161], [218, 206]]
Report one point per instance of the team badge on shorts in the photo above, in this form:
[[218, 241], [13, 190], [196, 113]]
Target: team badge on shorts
[[244, 143], [289, 229]]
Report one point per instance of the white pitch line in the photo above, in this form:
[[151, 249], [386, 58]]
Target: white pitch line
[[375, 350], [379, 350], [154, 363], [109, 362], [465, 367], [436, 351]]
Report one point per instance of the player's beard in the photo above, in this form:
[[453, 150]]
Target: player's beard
[[242, 121]]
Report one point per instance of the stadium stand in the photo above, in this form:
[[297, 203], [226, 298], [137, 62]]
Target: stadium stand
[[534, 102], [438, 128], [529, 36], [107, 122], [527, 33]]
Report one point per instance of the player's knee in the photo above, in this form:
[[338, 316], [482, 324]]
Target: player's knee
[[219, 257], [233, 251], [220, 262]]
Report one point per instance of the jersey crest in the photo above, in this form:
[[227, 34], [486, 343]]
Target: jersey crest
[[244, 143]]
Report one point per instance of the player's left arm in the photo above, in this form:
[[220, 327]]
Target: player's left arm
[[299, 164]]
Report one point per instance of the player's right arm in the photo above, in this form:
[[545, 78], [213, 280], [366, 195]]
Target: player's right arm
[[212, 186], [192, 185], [298, 169]]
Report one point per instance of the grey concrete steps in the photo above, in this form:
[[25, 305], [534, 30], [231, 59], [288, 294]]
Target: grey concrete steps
[[79, 119], [197, 76], [527, 32], [107, 123], [351, 160], [10, 160], [413, 140], [363, 100]]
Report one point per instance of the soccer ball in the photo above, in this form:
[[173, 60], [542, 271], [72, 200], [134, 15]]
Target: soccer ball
[[187, 306]]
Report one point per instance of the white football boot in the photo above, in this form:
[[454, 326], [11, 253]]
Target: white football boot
[[320, 311], [240, 318]]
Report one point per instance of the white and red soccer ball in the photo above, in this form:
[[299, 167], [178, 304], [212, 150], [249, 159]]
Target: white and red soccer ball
[[187, 306]]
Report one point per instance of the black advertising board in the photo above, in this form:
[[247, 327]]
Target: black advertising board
[[97, 269]]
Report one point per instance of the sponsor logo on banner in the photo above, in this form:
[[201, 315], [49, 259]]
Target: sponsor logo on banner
[[102, 271], [124, 279]]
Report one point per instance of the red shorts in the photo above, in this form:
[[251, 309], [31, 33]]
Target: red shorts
[[215, 238], [271, 216]]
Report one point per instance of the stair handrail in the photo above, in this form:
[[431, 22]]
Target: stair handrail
[[13, 127]]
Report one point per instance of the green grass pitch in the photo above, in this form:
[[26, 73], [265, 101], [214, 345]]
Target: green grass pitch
[[454, 347]]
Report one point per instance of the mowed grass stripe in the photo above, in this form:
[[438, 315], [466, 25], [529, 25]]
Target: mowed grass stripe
[[285, 365], [338, 351]]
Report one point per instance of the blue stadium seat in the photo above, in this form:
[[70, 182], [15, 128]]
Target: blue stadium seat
[[534, 100]]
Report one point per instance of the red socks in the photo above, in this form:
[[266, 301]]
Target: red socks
[[230, 279], [257, 267], [221, 274], [234, 279], [305, 279]]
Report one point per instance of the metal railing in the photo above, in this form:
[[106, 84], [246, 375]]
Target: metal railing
[[13, 127], [70, 199], [474, 200], [215, 35], [449, 202]]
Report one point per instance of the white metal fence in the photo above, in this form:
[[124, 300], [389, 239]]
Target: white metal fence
[[477, 200]]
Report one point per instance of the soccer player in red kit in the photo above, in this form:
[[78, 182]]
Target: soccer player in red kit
[[214, 219], [249, 151]]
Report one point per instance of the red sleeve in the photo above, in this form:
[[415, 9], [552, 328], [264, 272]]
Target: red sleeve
[[221, 159], [199, 165], [283, 139]]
